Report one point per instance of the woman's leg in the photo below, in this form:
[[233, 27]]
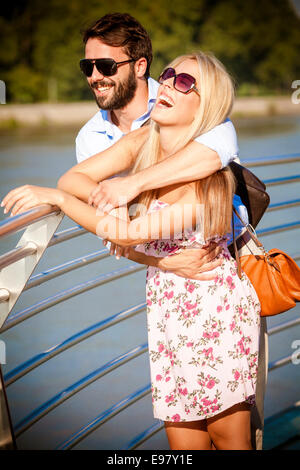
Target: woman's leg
[[230, 430], [191, 435]]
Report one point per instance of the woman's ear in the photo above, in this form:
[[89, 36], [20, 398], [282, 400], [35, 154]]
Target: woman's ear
[[141, 67]]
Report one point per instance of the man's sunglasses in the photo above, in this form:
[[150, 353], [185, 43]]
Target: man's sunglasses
[[106, 67], [183, 82]]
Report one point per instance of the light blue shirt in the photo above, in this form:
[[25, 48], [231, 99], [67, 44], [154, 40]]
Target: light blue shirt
[[99, 133]]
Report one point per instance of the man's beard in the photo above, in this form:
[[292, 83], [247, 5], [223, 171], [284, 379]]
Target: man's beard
[[122, 95]]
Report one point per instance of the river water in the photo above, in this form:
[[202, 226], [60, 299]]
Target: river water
[[41, 157]]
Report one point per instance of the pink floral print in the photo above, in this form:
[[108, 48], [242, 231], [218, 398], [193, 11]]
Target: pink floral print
[[203, 336]]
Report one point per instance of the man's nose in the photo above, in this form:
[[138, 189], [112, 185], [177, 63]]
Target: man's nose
[[96, 75]]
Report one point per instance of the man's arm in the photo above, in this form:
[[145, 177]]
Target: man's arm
[[199, 159], [204, 156], [82, 178]]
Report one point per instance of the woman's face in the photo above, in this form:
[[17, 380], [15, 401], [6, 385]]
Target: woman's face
[[173, 107]]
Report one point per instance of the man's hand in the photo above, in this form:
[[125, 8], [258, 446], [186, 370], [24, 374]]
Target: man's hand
[[113, 193], [193, 263]]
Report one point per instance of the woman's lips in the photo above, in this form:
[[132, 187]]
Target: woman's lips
[[165, 101]]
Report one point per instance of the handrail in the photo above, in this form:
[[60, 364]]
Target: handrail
[[70, 391], [18, 222], [143, 436], [283, 326], [283, 205], [280, 362], [272, 160], [17, 253], [99, 420], [64, 268], [282, 180], [68, 293], [35, 361], [67, 234], [4, 295], [278, 228]]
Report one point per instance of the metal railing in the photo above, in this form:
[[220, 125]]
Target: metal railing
[[16, 269]]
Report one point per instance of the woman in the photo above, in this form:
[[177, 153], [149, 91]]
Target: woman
[[203, 335]]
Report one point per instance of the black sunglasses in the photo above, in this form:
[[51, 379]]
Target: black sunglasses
[[183, 82], [106, 67]]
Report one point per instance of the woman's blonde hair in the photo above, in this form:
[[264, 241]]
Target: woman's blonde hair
[[216, 101]]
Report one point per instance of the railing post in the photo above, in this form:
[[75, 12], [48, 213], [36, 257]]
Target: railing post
[[14, 277], [7, 439]]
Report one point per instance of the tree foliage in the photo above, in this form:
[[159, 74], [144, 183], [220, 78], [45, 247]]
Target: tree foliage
[[41, 43]]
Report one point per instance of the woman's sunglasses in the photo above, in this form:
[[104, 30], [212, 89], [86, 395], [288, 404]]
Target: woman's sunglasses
[[106, 67], [183, 82]]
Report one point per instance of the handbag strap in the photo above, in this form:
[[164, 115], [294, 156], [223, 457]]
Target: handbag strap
[[236, 253], [254, 238]]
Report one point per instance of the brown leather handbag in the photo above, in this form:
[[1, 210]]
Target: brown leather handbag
[[252, 192], [274, 275]]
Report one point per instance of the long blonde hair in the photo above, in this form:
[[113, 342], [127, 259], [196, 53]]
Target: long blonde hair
[[216, 101]]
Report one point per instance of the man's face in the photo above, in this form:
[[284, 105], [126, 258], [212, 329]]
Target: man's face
[[116, 91]]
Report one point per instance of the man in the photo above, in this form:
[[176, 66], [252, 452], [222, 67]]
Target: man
[[125, 94]]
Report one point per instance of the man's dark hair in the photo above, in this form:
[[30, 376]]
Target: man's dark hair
[[122, 30]]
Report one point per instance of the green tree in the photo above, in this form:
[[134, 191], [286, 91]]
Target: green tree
[[41, 44]]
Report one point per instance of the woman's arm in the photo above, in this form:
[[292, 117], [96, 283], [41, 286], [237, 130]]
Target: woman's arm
[[189, 263], [163, 223], [81, 179]]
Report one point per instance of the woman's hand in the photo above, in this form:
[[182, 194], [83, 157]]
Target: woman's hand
[[25, 197]]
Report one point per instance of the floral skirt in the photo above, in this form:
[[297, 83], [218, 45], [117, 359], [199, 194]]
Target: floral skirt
[[203, 341]]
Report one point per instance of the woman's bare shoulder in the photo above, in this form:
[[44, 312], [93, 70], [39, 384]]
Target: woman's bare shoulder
[[184, 192], [136, 137]]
